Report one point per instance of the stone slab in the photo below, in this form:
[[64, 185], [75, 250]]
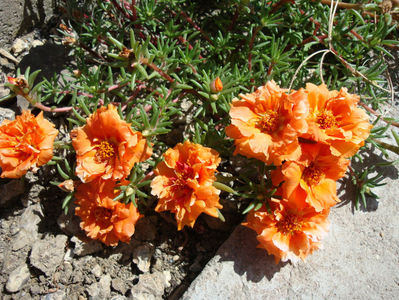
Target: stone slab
[[360, 259]]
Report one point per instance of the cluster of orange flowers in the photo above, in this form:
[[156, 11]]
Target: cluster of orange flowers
[[106, 150], [308, 135]]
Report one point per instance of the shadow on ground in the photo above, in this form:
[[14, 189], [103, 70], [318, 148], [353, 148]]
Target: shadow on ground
[[49, 58], [254, 262]]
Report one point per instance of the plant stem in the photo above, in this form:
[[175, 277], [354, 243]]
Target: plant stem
[[372, 111], [46, 108], [255, 31], [192, 23], [392, 148], [145, 62]]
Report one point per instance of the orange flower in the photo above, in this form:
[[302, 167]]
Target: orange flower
[[102, 218], [289, 233], [107, 147], [266, 123], [25, 144], [335, 119], [312, 179], [184, 183]]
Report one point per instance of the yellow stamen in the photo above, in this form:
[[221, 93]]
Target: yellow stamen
[[105, 151], [102, 215], [268, 122], [289, 225], [312, 174], [326, 119]]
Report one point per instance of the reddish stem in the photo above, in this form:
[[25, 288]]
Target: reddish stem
[[133, 9], [155, 68], [251, 44], [281, 3], [44, 107], [184, 41], [189, 20], [122, 11], [234, 20], [372, 111]]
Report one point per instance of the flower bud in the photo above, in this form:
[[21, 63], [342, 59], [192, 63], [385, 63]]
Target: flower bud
[[65, 28], [216, 85], [68, 40], [67, 185], [126, 53], [77, 73], [20, 85]]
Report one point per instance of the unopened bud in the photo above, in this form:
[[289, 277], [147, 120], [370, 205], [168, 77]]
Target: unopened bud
[[68, 40], [67, 185], [77, 73], [65, 28], [129, 191], [216, 85], [126, 53], [21, 86]]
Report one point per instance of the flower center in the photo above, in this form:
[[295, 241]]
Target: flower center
[[179, 183], [102, 214], [326, 119], [289, 225], [105, 151], [268, 122], [312, 174]]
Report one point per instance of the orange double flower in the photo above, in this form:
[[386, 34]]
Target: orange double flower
[[107, 147], [102, 218], [184, 183], [265, 124], [25, 144], [289, 232]]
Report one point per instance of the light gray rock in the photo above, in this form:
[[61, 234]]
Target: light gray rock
[[3, 92], [82, 248], [19, 46], [11, 189], [6, 113], [97, 271], [58, 295], [17, 278], [48, 254], [22, 103], [37, 43], [28, 227], [69, 223], [33, 195], [5, 63], [101, 289], [119, 297], [142, 255], [8, 55], [119, 285], [360, 260], [151, 286]]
